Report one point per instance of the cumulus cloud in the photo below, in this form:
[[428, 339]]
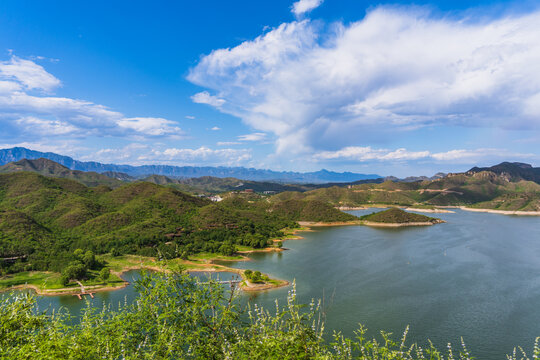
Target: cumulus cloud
[[215, 128], [150, 126], [303, 6], [29, 74], [204, 155], [395, 71], [143, 154], [205, 98], [25, 111]]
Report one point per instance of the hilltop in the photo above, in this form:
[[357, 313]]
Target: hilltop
[[512, 171], [398, 217], [484, 189]]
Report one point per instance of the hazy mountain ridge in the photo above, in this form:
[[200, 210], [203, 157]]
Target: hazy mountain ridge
[[50, 168], [321, 176], [204, 184]]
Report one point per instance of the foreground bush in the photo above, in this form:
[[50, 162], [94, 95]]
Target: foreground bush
[[176, 318]]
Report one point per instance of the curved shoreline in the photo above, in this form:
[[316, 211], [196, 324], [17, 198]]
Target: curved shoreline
[[64, 291], [210, 266]]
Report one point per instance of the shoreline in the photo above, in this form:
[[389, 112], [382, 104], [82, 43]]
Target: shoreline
[[325, 224], [346, 208], [502, 212], [395, 225], [208, 266], [434, 211]]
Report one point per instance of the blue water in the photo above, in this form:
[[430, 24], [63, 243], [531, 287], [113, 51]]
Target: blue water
[[476, 276]]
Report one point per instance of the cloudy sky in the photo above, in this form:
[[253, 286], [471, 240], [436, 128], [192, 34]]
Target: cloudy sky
[[348, 85]]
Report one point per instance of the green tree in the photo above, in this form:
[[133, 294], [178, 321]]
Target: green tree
[[104, 274], [74, 271], [115, 252], [89, 259], [78, 254]]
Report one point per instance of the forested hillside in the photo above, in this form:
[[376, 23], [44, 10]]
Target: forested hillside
[[476, 189], [43, 220]]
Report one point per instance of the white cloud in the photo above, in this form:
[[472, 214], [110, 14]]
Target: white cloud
[[123, 155], [395, 71], [228, 143], [363, 154], [215, 128], [472, 156], [68, 147], [150, 126], [144, 154], [303, 6], [252, 137], [28, 73], [205, 98], [204, 154], [190, 117], [367, 153], [40, 116], [46, 126]]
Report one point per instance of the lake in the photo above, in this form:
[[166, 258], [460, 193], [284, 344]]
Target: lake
[[476, 276]]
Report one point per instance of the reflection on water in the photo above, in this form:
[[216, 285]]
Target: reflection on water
[[476, 276]]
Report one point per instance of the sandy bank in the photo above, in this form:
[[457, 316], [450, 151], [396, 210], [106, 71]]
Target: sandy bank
[[247, 286], [65, 291], [394, 225], [322, 224], [344, 208], [502, 212], [265, 250], [435, 211]]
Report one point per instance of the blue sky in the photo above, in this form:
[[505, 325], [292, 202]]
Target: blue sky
[[394, 88]]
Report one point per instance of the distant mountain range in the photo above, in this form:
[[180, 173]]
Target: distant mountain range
[[50, 168], [199, 185], [122, 171]]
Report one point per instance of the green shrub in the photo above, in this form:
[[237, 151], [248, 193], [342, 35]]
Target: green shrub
[[177, 318]]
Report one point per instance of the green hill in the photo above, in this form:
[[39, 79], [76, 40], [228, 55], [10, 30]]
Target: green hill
[[44, 219], [398, 216], [475, 189]]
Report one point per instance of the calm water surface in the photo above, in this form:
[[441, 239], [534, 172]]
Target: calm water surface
[[476, 276]]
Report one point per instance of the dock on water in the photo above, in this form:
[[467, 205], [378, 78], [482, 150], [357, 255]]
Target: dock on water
[[80, 295], [83, 292]]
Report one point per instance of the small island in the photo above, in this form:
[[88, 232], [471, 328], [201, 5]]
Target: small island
[[396, 217]]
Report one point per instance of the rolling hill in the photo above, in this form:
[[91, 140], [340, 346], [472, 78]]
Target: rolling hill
[[43, 219], [483, 189]]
